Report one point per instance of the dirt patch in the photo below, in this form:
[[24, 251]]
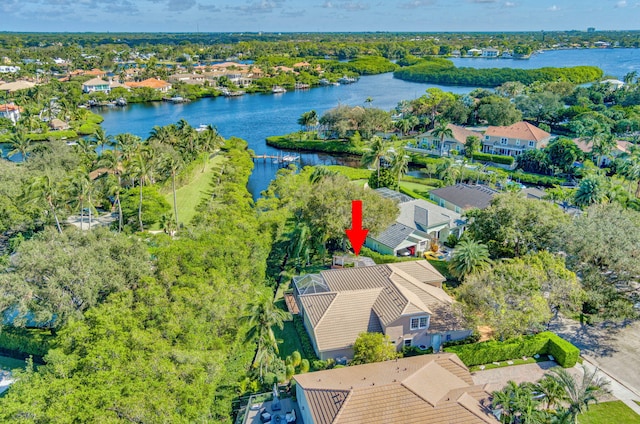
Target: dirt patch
[[486, 333]]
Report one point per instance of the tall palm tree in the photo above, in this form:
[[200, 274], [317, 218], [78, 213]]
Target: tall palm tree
[[45, 188], [262, 317], [469, 257], [101, 139], [376, 149], [20, 143], [579, 394], [552, 390], [403, 125], [631, 168], [308, 119], [592, 190], [442, 130], [210, 142], [173, 163], [142, 167], [80, 188], [399, 162]]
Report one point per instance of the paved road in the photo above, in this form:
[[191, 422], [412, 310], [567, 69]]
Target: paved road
[[613, 348]]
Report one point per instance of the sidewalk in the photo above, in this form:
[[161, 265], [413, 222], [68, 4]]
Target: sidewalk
[[617, 389]]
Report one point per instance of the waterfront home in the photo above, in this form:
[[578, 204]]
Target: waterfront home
[[96, 85], [192, 78], [514, 139], [58, 125], [9, 69], [490, 53], [418, 224], [621, 147], [474, 52], [155, 83], [430, 142], [405, 301], [435, 389], [11, 112], [462, 197]]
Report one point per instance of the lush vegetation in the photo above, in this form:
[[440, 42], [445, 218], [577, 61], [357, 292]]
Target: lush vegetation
[[441, 71], [495, 351]]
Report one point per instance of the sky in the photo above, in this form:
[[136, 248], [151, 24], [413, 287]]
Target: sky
[[316, 15]]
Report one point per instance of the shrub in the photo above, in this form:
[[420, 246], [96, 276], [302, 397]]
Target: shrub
[[379, 258], [304, 365], [467, 340], [566, 354], [307, 347], [409, 351], [21, 343], [486, 157], [296, 358]]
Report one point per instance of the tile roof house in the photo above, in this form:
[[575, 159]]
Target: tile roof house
[[434, 389], [16, 86], [156, 84], [405, 301], [462, 197], [418, 223], [514, 139], [621, 147], [431, 143], [11, 112]]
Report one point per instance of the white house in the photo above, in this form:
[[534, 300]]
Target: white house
[[11, 112], [9, 69]]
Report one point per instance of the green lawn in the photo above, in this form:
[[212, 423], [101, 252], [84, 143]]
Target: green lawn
[[420, 189], [189, 196], [609, 412]]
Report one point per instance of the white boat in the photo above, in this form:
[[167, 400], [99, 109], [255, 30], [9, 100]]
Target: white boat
[[276, 89], [347, 80]]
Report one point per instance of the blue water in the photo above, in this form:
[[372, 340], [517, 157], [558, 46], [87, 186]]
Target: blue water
[[257, 116], [614, 62]]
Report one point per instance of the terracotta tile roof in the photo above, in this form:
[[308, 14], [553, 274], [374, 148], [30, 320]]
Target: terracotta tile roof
[[95, 72], [16, 85], [421, 389], [149, 82], [520, 130], [10, 107], [355, 300]]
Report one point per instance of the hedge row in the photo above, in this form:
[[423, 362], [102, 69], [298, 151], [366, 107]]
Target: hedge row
[[486, 157], [21, 343], [545, 343], [537, 179], [305, 342], [326, 146]]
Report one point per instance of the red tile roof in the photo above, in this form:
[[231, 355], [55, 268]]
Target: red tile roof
[[520, 130], [149, 82]]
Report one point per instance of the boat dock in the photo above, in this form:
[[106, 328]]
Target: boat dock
[[279, 159]]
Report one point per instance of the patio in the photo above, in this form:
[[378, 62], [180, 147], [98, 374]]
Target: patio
[[263, 403]]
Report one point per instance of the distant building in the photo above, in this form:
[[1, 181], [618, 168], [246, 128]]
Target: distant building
[[96, 85], [11, 112], [9, 69], [428, 141], [490, 52], [156, 84]]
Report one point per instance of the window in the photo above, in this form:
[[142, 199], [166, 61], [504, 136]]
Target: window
[[486, 137], [418, 323], [517, 142], [503, 140], [448, 338], [532, 144], [407, 342]]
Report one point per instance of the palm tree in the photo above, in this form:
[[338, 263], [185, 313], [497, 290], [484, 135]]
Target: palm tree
[[579, 394], [441, 131], [45, 188], [262, 317], [403, 125], [516, 405], [319, 173], [592, 190], [20, 143], [101, 139], [80, 188], [308, 119], [552, 390], [469, 257], [375, 151], [173, 163], [631, 168], [399, 163], [210, 142], [368, 101], [142, 168], [112, 160]]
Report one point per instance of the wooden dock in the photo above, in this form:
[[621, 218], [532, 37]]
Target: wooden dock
[[276, 159]]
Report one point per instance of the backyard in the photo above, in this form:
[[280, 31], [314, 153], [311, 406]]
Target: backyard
[[615, 412]]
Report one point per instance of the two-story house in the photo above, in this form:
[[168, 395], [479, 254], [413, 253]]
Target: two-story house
[[95, 85], [428, 141], [514, 139], [404, 301], [462, 197], [418, 223]]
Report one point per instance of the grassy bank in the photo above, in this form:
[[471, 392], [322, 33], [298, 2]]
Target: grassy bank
[[189, 196]]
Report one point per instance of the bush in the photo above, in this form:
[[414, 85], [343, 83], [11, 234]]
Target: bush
[[486, 157], [307, 347], [536, 179], [409, 351], [467, 340], [411, 193], [565, 354], [379, 258]]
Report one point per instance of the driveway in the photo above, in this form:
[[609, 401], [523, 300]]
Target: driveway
[[615, 348], [497, 378]]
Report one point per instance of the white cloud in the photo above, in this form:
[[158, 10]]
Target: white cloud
[[553, 8], [509, 4], [621, 4], [414, 4]]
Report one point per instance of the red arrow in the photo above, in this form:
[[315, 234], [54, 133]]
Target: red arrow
[[356, 234]]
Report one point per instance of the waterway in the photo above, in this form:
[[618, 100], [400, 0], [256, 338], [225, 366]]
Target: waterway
[[255, 117]]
